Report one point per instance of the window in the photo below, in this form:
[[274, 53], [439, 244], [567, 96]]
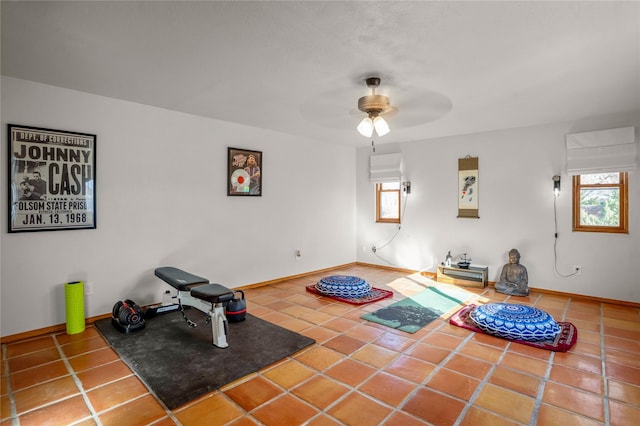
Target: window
[[600, 203], [388, 202]]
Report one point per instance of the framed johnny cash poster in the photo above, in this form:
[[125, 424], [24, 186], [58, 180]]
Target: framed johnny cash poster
[[52, 176], [244, 172]]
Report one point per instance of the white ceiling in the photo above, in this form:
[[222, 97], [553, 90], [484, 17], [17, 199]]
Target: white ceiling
[[299, 66]]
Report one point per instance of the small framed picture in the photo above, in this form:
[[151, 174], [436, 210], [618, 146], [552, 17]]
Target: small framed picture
[[52, 179], [244, 172]]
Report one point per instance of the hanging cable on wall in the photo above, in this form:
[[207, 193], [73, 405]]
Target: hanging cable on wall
[[556, 194]]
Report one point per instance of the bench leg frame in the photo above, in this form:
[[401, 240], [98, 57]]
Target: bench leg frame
[[215, 312]]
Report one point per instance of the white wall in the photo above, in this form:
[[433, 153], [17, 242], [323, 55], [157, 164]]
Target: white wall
[[161, 200], [515, 208]]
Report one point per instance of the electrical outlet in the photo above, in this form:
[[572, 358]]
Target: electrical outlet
[[88, 288], [577, 269]]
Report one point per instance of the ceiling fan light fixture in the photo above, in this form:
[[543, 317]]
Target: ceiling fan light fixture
[[373, 105], [365, 128], [381, 126]]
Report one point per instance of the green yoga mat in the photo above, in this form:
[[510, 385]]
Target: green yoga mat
[[413, 313], [74, 304]]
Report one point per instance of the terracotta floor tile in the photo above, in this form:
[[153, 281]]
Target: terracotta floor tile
[[45, 393], [83, 346], [507, 403], [622, 324], [620, 312], [427, 352], [103, 374], [140, 411], [387, 388], [624, 392], [290, 373], [321, 391], [296, 325], [550, 415], [434, 407], [253, 393], [516, 381], [28, 346], [216, 410], [442, 340], [89, 332], [93, 359], [622, 414], [410, 368], [622, 344], [317, 317], [321, 420], [319, 357], [40, 374], [357, 409], [622, 357], [453, 384], [294, 310], [579, 362], [351, 372], [33, 359], [623, 373], [345, 344], [285, 411], [486, 339], [115, 393], [483, 352], [572, 399], [477, 417], [589, 337], [541, 354], [339, 324], [624, 332], [319, 334], [525, 363], [581, 347], [375, 355], [67, 411], [364, 332], [400, 418], [337, 309], [394, 341], [577, 378], [469, 366]]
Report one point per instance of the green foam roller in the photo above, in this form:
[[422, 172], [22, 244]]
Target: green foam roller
[[74, 299]]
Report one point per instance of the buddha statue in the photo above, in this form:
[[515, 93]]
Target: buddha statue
[[513, 278]]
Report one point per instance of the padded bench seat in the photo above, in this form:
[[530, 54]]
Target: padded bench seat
[[214, 293], [179, 279]]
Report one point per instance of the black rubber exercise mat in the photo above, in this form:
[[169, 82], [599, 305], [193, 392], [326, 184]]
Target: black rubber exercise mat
[[180, 363]]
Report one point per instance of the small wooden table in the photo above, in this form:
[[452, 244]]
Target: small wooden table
[[474, 276]]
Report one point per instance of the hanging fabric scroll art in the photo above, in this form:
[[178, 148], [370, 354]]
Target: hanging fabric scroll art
[[468, 187]]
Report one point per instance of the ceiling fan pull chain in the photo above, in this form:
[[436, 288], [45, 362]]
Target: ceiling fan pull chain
[[373, 146]]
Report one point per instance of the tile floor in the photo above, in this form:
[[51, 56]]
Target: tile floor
[[358, 373]]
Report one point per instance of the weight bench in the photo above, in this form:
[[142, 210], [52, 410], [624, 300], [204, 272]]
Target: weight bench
[[198, 292]]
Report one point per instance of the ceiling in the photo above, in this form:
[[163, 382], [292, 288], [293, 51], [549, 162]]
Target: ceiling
[[298, 67]]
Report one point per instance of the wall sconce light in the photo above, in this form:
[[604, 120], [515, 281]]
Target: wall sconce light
[[556, 185]]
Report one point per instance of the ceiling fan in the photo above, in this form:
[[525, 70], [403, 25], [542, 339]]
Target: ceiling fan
[[374, 106]]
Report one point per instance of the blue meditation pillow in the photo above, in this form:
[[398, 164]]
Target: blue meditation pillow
[[343, 286], [515, 322]]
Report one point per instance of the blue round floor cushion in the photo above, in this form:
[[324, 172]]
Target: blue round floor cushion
[[343, 286], [515, 322]]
